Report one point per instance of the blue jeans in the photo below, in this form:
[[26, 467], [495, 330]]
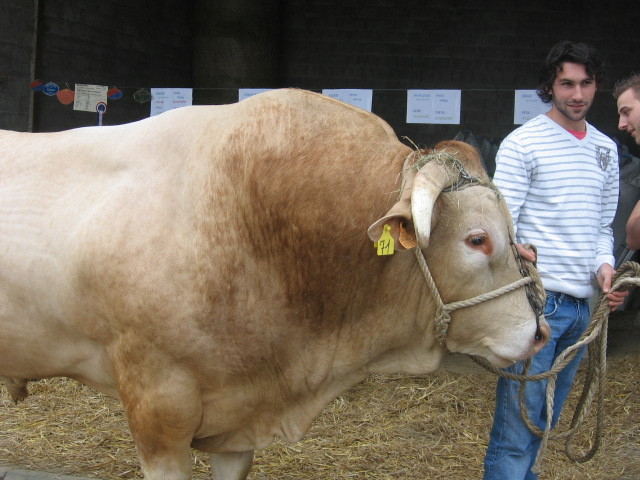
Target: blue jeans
[[512, 447]]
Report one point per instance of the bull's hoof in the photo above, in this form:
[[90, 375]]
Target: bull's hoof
[[17, 388]]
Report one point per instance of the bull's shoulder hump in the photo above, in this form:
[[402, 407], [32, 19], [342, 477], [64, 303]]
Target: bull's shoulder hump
[[302, 100]]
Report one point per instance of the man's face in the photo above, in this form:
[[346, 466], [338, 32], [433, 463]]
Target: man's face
[[629, 110], [573, 91]]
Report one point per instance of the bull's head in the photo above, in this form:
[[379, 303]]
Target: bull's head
[[467, 239]]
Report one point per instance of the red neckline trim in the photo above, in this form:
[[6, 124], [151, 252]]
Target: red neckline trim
[[579, 135]]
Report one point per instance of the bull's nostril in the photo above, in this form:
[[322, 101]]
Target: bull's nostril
[[541, 336], [543, 333]]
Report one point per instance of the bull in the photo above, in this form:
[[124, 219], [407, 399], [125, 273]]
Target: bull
[[212, 267]]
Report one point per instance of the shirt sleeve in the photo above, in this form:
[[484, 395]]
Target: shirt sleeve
[[512, 176], [604, 245]]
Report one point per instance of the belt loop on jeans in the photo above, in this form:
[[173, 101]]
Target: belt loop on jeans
[[565, 296]]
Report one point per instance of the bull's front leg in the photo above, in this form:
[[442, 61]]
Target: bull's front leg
[[163, 430], [163, 434], [231, 465], [164, 410], [166, 465]]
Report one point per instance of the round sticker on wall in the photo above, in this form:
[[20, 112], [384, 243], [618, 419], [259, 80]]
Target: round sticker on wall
[[50, 89], [36, 85], [142, 95], [114, 93], [66, 96]]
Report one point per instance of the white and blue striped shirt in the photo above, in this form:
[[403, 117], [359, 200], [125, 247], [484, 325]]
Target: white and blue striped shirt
[[562, 193]]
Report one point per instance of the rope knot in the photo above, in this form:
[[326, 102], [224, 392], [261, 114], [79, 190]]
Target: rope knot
[[442, 321]]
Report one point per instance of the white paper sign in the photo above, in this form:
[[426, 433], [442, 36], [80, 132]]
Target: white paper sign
[[244, 93], [362, 98], [527, 105], [87, 97], [165, 99], [433, 106]]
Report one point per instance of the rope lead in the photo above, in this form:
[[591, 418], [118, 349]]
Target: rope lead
[[595, 335]]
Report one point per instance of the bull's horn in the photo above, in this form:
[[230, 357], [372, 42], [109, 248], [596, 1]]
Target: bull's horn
[[428, 183]]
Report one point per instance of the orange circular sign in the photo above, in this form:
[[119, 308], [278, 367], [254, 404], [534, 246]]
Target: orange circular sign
[[66, 96]]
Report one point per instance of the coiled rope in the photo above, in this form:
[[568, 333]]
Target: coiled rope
[[594, 335]]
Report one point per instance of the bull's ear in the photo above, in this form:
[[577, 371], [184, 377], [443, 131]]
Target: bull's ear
[[400, 216], [401, 225]]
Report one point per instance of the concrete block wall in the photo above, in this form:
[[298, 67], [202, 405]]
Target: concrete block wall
[[17, 23], [485, 48], [114, 43], [235, 43]]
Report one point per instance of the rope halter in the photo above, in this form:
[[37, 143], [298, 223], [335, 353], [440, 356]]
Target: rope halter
[[530, 279], [443, 311]]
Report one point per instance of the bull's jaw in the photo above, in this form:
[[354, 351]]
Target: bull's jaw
[[484, 350], [499, 354], [495, 360]]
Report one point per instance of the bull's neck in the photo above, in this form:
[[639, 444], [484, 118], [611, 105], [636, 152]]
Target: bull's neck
[[396, 322]]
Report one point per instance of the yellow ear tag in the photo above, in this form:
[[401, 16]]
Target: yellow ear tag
[[386, 242]]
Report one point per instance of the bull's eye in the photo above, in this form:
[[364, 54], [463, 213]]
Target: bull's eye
[[480, 241], [477, 240]]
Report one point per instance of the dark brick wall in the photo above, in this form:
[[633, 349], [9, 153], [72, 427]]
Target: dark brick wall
[[236, 43], [486, 48], [110, 42], [115, 43], [16, 39]]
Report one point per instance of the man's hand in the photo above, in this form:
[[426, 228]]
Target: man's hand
[[526, 252], [604, 276]]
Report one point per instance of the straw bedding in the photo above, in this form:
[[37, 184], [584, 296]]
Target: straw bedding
[[387, 427]]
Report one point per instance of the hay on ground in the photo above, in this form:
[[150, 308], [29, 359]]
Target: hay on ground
[[387, 427]]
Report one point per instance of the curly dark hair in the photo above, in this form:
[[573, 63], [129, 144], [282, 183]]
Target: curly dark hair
[[566, 51], [632, 81]]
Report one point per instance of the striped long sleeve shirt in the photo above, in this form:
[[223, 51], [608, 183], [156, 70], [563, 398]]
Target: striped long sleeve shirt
[[562, 193]]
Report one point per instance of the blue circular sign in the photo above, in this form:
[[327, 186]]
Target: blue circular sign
[[50, 89]]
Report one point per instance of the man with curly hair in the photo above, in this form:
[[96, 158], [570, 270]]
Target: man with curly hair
[[559, 176]]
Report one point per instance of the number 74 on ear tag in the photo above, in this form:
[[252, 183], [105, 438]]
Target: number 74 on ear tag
[[386, 243]]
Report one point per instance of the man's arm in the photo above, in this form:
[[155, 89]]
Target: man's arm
[[512, 177], [633, 228], [605, 270]]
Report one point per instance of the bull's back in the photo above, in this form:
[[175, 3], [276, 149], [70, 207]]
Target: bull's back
[[183, 226]]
